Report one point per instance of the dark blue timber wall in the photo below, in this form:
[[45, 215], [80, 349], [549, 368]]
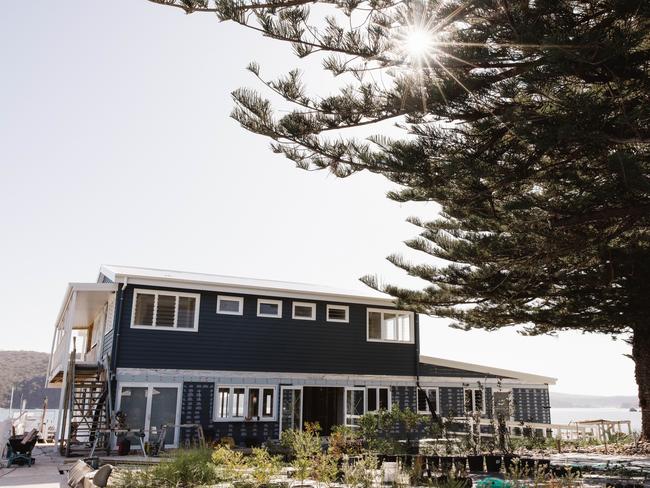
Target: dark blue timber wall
[[251, 343]]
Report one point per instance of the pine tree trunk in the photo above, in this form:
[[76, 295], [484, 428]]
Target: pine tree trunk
[[641, 356]]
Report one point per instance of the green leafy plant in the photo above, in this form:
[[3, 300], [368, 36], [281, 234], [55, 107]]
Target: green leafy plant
[[518, 472], [132, 478], [305, 446], [361, 473], [186, 468], [228, 463], [345, 441], [325, 469], [262, 466]]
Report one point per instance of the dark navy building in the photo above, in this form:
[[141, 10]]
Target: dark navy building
[[247, 358]]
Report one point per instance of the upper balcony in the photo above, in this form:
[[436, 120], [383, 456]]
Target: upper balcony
[[85, 316]]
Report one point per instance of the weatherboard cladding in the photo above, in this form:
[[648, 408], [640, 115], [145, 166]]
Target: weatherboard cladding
[[251, 343]]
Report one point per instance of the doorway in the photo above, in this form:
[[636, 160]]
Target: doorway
[[323, 405], [149, 407]]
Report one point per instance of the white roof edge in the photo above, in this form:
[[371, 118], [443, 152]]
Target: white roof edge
[[506, 373], [137, 275]]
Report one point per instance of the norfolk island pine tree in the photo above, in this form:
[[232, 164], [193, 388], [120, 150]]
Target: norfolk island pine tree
[[528, 121]]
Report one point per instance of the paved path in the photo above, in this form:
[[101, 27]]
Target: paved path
[[43, 474]]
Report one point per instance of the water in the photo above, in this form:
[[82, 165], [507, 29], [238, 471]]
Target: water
[[566, 415]]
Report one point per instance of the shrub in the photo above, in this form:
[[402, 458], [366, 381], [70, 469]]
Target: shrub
[[228, 464], [304, 443], [263, 466], [344, 441], [325, 469], [130, 478], [186, 468], [361, 473]]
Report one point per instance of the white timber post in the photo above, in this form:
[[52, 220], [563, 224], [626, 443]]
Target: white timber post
[[69, 316]]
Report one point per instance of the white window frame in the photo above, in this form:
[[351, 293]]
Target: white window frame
[[303, 304], [292, 388], [377, 388], [338, 307], [230, 299], [156, 293], [398, 312], [147, 418], [259, 417], [268, 301], [474, 390], [347, 416], [427, 389]]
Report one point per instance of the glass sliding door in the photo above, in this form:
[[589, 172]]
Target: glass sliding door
[[148, 407], [133, 404], [163, 412], [355, 405], [291, 408]]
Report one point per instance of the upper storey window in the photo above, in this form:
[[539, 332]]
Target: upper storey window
[[165, 310], [304, 311], [338, 313], [230, 305], [390, 326], [269, 308]]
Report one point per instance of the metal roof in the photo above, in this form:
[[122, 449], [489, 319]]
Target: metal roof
[[187, 279], [503, 373]]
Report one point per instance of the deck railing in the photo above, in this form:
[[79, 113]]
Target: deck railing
[[60, 356]]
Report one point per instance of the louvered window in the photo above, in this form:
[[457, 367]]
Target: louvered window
[[165, 310]]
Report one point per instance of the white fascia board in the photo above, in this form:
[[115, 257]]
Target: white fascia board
[[504, 373], [280, 290]]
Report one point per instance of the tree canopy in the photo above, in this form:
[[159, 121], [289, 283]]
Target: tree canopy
[[528, 121]]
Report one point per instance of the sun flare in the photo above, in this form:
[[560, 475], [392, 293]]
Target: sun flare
[[418, 43]]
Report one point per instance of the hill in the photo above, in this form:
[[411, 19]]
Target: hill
[[26, 371], [569, 400]]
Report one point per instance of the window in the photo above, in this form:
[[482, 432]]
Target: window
[[165, 310], [230, 305], [267, 402], [269, 308], [378, 399], [338, 313], [390, 326], [432, 395], [304, 311], [244, 403], [354, 406], [474, 400], [238, 402], [223, 403]]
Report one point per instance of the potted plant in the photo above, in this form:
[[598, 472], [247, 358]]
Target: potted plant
[[475, 462]]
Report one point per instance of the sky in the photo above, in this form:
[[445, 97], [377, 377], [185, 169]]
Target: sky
[[116, 146]]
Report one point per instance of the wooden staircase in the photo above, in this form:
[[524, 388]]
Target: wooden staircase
[[86, 410]]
